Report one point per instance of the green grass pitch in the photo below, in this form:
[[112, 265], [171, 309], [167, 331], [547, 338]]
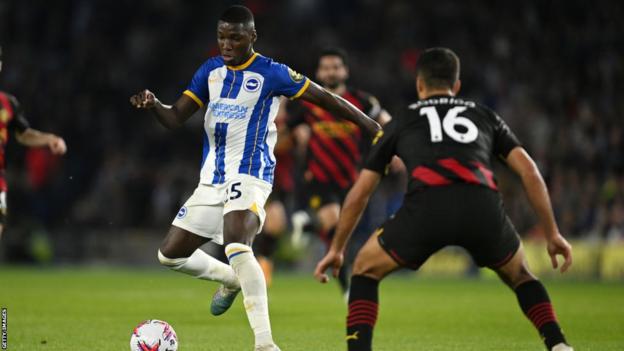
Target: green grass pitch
[[96, 309]]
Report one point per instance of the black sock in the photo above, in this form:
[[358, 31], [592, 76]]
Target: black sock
[[536, 305], [363, 307]]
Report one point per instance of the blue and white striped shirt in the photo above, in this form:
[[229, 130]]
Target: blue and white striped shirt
[[239, 126]]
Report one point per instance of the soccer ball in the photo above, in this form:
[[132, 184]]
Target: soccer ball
[[154, 335]]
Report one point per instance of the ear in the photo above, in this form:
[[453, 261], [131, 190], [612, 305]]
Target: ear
[[420, 86], [254, 36], [456, 87]]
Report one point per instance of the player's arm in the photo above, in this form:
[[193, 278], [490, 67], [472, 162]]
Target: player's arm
[[340, 107], [352, 209], [535, 187], [34, 138], [170, 116], [31, 137]]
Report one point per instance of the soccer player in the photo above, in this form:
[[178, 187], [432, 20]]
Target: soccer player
[[12, 121], [448, 145], [241, 90], [334, 147]]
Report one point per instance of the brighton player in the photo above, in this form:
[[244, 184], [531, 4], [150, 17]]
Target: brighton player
[[241, 91], [12, 121], [448, 145]]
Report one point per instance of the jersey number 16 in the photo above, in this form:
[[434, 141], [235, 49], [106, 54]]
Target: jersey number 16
[[449, 122]]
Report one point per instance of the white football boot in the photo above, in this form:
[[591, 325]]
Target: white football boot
[[562, 347], [271, 347]]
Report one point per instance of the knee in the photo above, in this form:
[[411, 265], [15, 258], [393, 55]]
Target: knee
[[240, 227], [172, 263], [365, 267], [516, 276]]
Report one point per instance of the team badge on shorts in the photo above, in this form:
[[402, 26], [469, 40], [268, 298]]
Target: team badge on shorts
[[182, 213]]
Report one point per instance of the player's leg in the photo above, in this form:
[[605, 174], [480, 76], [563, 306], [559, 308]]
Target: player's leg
[[239, 229], [493, 242], [243, 219], [180, 252], [371, 265], [327, 216], [533, 299], [266, 243]]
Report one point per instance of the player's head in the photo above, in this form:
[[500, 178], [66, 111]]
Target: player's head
[[332, 69], [236, 34], [437, 70]]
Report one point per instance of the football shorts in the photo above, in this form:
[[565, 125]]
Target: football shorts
[[465, 215], [203, 212]]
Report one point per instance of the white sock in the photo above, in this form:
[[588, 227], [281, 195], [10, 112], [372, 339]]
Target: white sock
[[252, 283], [202, 266]]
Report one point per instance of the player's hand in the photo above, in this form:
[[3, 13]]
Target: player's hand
[[333, 260], [57, 145], [144, 99], [558, 245]]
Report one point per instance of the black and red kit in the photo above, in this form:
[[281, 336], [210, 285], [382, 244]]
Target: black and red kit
[[336, 147], [448, 146]]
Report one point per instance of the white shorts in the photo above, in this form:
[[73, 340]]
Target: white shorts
[[203, 212]]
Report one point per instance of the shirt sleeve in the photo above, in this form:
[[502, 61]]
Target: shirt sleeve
[[19, 123], [383, 148], [504, 139], [287, 82], [198, 87]]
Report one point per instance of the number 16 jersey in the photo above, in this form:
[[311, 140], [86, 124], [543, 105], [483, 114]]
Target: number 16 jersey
[[444, 140], [242, 102]]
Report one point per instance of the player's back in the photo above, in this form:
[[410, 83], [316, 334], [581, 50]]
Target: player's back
[[445, 140]]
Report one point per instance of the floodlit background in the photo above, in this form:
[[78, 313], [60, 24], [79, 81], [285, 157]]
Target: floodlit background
[[553, 69], [78, 257]]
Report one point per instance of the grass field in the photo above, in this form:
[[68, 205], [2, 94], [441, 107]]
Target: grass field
[[95, 309]]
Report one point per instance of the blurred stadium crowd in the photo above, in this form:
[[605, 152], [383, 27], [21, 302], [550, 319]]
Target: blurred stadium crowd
[[554, 70]]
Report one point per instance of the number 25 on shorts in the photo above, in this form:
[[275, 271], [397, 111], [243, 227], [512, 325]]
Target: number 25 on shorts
[[233, 192]]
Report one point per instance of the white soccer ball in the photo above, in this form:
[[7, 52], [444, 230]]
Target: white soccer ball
[[154, 335]]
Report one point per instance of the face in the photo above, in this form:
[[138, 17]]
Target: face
[[235, 42], [332, 71]]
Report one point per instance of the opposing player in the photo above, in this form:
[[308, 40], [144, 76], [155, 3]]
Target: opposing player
[[334, 147], [241, 90], [12, 121], [448, 145]]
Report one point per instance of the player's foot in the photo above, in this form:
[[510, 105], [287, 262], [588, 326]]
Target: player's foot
[[270, 347], [562, 347], [222, 300]]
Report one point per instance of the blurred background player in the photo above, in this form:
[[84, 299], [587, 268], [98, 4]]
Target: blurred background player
[[448, 145], [332, 147], [242, 92], [13, 122]]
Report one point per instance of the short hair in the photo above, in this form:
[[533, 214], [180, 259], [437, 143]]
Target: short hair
[[237, 14], [335, 52], [438, 67]]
